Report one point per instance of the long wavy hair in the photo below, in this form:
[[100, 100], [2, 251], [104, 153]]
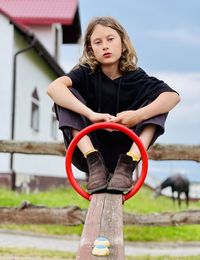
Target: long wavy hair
[[128, 60]]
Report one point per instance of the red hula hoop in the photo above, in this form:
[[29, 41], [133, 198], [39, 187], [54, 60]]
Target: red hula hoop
[[93, 127]]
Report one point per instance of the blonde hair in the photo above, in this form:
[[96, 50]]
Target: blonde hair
[[128, 60]]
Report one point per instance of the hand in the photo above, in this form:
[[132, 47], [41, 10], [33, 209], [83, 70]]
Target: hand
[[101, 117], [128, 118]]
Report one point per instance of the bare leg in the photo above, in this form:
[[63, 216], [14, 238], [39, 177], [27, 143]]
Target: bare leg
[[84, 144], [146, 136]]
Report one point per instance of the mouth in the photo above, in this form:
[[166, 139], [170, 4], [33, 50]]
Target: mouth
[[107, 54]]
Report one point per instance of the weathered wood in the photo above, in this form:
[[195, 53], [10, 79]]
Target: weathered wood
[[174, 152], [32, 214], [156, 152], [28, 147], [164, 219], [104, 218]]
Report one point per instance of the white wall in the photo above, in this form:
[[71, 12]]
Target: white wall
[[6, 67], [46, 34], [31, 72]]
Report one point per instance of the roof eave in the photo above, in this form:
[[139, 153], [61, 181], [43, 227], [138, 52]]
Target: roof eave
[[72, 33], [40, 49]]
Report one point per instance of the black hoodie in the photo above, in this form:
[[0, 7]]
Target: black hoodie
[[128, 92]]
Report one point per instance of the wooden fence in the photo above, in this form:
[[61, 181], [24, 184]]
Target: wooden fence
[[156, 152], [105, 216]]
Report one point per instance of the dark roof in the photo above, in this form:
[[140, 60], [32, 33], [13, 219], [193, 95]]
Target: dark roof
[[46, 12]]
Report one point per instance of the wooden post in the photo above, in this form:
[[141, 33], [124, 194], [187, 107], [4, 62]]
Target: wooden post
[[104, 218]]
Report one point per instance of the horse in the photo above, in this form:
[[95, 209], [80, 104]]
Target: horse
[[177, 183]]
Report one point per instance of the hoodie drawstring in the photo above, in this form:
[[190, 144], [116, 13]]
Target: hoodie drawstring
[[100, 93], [118, 93]]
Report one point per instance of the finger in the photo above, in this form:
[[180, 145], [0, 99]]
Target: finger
[[112, 117], [107, 119], [121, 113], [116, 119]]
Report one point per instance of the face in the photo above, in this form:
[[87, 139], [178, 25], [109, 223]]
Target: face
[[106, 45]]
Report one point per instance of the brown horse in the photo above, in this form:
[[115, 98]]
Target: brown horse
[[177, 183]]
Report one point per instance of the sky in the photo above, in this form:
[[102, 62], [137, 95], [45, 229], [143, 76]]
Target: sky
[[166, 36]]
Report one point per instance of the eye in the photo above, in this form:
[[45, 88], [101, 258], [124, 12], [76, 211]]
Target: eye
[[97, 42], [110, 39]]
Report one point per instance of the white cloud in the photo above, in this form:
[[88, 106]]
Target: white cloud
[[187, 84], [183, 123], [180, 35]]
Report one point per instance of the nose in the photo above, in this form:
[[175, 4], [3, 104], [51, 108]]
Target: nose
[[105, 47]]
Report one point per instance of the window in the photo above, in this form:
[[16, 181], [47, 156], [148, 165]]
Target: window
[[35, 111], [56, 43], [54, 127]]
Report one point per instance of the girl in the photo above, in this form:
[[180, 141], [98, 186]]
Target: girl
[[107, 86]]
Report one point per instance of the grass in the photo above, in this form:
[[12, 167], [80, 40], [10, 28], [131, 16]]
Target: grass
[[53, 198], [163, 257], [34, 253], [162, 234], [143, 257], [38, 254], [141, 203]]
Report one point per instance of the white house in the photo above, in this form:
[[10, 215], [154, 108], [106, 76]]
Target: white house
[[31, 34]]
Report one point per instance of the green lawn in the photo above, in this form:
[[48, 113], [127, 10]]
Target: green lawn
[[141, 203], [38, 254], [34, 253]]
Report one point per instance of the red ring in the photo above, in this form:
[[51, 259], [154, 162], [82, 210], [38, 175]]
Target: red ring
[[88, 129]]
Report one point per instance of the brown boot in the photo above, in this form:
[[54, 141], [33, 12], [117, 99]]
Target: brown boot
[[122, 178], [98, 173]]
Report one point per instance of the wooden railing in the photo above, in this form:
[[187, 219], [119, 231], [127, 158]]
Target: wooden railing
[[105, 216], [156, 152]]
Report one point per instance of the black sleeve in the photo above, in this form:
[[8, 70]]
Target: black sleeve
[[78, 76], [154, 87]]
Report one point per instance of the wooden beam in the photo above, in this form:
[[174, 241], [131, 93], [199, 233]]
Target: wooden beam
[[34, 214], [174, 152], [27, 213], [104, 218], [189, 217], [156, 152], [30, 147]]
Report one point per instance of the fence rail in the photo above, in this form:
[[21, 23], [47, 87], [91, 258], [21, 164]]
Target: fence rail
[[156, 152], [105, 214], [28, 213]]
